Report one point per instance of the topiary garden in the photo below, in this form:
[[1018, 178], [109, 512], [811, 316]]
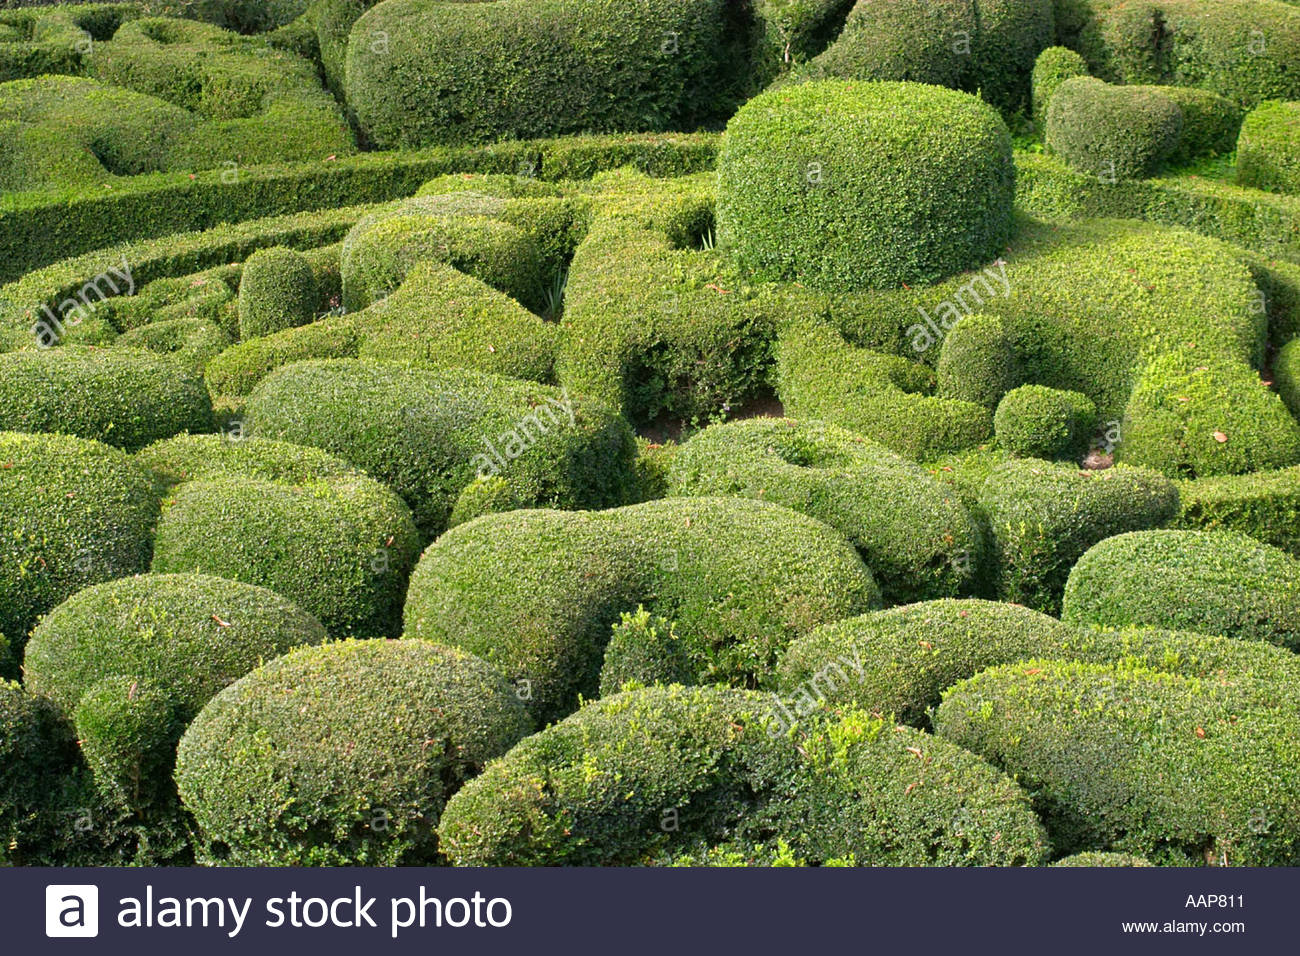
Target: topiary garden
[[650, 433]]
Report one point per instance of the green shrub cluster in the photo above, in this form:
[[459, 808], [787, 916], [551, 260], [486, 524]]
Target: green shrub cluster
[[429, 433], [1286, 372], [342, 755], [277, 290], [1093, 859], [1128, 759], [919, 540], [977, 362], [536, 593], [1211, 123], [421, 72], [1043, 517], [644, 649], [75, 513], [336, 543], [1113, 132], [55, 39], [1053, 67], [122, 397], [1215, 582], [1034, 421], [1268, 152], [854, 185], [1264, 505]]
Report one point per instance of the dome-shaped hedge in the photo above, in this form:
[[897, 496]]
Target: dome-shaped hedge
[[857, 185], [1033, 421], [977, 362], [75, 513], [1215, 582], [122, 397], [37, 748], [277, 290], [342, 755], [1113, 132]]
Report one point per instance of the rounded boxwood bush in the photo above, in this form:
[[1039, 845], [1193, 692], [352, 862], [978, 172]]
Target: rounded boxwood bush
[[919, 540], [75, 513], [1211, 123], [342, 755], [1034, 421], [1129, 759], [1053, 67], [977, 362], [1113, 132], [857, 185], [277, 290], [1286, 372], [536, 593], [1215, 582], [428, 434], [122, 397], [899, 662], [1264, 505], [1043, 517], [127, 730], [1268, 151], [644, 649], [37, 751]]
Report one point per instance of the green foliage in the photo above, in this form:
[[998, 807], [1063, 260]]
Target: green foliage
[[644, 649], [1210, 123], [277, 291], [193, 342], [850, 185], [1268, 152], [1129, 759], [37, 749], [1215, 582], [429, 433], [536, 592], [1264, 505], [918, 539], [127, 731], [1096, 859], [1113, 132], [1033, 421], [122, 397], [342, 755], [75, 513], [1286, 372], [1053, 67], [977, 362]]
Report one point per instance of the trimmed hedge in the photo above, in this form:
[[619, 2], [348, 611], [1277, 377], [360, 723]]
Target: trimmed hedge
[[919, 540], [977, 362], [1033, 421], [76, 513], [1053, 67], [849, 185], [1216, 582], [277, 291], [422, 72], [1211, 123], [1094, 859], [899, 662], [661, 770], [122, 397], [193, 342], [1264, 505], [1268, 152], [1113, 132], [1286, 372], [342, 755], [336, 543], [1127, 759], [429, 434], [644, 649], [536, 592], [1044, 517]]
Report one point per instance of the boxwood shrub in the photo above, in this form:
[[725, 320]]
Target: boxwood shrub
[[1216, 582], [1053, 67], [1093, 859], [1043, 517], [977, 362], [826, 183], [919, 540], [342, 755], [336, 543], [277, 290], [1128, 759], [536, 593], [429, 433], [1286, 372], [1034, 421], [1211, 123], [122, 397], [1268, 152], [1113, 132], [644, 649], [1264, 505], [76, 513]]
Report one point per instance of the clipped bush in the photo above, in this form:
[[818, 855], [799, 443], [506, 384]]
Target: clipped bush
[[644, 649], [1132, 760], [919, 540], [37, 750], [899, 662], [1268, 152], [192, 342], [75, 513], [336, 543], [849, 185], [277, 290], [122, 397], [342, 755], [1211, 123], [1034, 421], [127, 731], [429, 434], [1053, 67], [1113, 132], [1215, 582], [1264, 505], [1286, 371], [1044, 517], [977, 362], [1095, 859], [535, 593]]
